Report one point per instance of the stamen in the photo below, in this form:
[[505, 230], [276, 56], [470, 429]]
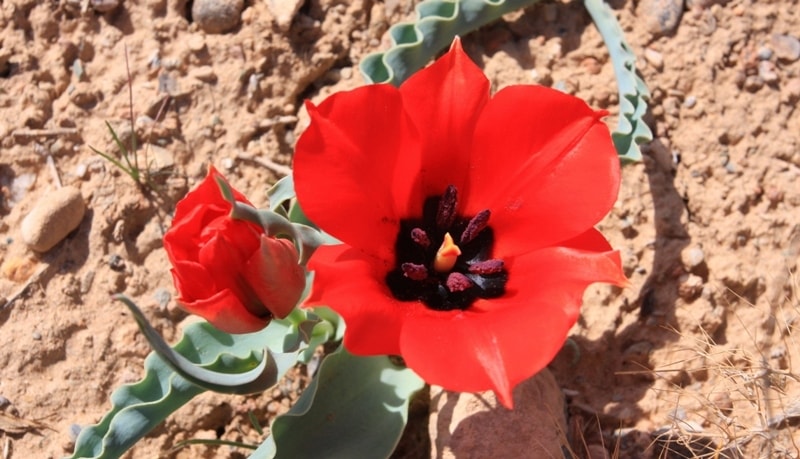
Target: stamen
[[492, 266], [414, 271], [420, 237], [447, 255], [457, 282], [446, 214], [475, 226]]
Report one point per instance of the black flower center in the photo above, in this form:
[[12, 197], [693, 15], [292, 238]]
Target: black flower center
[[444, 259]]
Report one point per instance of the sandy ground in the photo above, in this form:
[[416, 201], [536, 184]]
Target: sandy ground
[[701, 347]]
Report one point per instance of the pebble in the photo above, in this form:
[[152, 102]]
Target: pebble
[[692, 257], [786, 47], [766, 70], [104, 6], [690, 102], [284, 11], [764, 53], [655, 58], [661, 16], [217, 16], [53, 217], [690, 286]]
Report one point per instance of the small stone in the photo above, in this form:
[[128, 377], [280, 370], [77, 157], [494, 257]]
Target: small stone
[[204, 73], [661, 16], [591, 65], [689, 286], [36, 336], [162, 297], [786, 47], [766, 70], [753, 83], [655, 58], [764, 53], [104, 6], [692, 257], [53, 217], [116, 263], [284, 11], [690, 102], [217, 16], [196, 42]]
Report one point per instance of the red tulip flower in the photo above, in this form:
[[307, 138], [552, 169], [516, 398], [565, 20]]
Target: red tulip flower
[[228, 270], [467, 221]]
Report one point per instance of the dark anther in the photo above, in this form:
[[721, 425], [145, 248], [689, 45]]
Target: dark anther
[[414, 271], [420, 237], [475, 226], [492, 266], [446, 214], [457, 282]]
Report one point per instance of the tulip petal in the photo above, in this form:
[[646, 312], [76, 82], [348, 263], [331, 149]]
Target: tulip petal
[[498, 343], [348, 174], [444, 100], [353, 285], [275, 276], [545, 165], [225, 312]]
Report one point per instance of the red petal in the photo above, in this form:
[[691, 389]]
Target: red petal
[[207, 195], [353, 285], [192, 280], [225, 312], [349, 176], [444, 100], [498, 343], [275, 276], [545, 165]]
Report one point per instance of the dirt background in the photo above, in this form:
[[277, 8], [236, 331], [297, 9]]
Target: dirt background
[[699, 350]]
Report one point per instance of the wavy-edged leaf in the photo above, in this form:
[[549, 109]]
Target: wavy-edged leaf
[[139, 407], [355, 407], [633, 93], [438, 22]]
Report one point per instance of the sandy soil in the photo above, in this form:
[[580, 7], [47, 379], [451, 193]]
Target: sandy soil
[[701, 347]]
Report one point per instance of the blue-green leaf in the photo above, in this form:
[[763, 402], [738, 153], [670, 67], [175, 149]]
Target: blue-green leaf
[[355, 407], [633, 94], [137, 408], [438, 22]]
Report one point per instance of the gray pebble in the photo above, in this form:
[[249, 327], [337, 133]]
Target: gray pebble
[[53, 217], [786, 47], [764, 53], [217, 16], [661, 16]]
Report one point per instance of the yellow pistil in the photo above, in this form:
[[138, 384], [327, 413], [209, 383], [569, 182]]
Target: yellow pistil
[[446, 255]]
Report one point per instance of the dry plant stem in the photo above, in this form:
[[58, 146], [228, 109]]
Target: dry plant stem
[[53, 132], [279, 169]]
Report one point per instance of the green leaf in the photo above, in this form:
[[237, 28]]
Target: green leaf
[[281, 194], [633, 94], [137, 408], [438, 22], [354, 407]]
